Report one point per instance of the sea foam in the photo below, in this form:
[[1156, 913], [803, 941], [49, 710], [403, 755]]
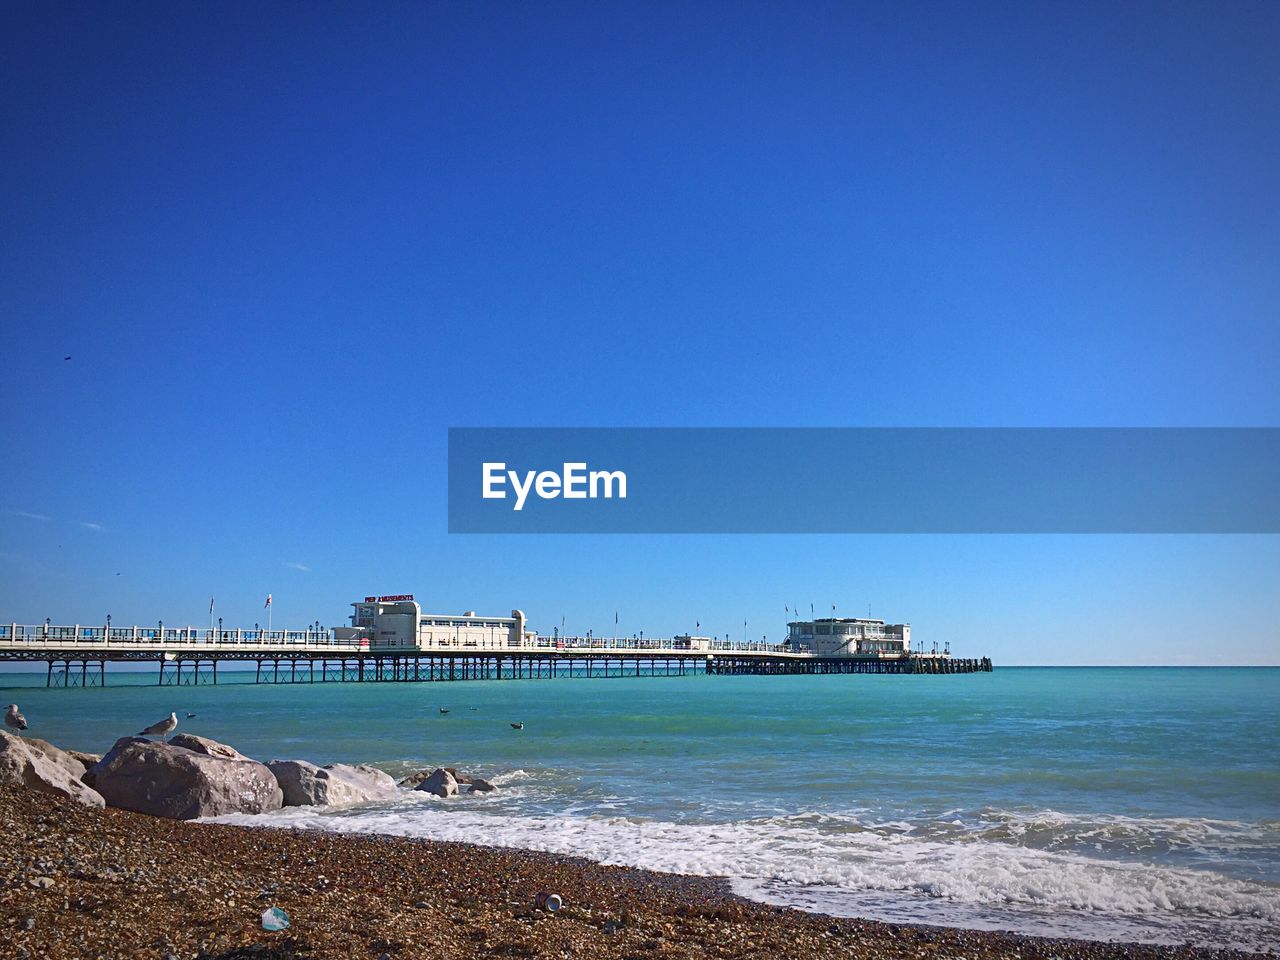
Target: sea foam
[[1030, 872]]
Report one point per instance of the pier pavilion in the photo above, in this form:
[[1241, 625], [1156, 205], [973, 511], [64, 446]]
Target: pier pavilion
[[398, 623], [850, 637]]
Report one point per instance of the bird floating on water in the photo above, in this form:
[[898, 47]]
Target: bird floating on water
[[191, 716], [444, 709], [473, 708], [163, 728], [517, 726], [13, 718]]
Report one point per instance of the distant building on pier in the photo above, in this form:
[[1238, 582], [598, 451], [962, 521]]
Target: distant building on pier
[[398, 623], [849, 637]]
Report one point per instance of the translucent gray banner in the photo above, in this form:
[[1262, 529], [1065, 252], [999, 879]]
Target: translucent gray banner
[[864, 480]]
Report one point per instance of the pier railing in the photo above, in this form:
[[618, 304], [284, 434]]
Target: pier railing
[[79, 635], [649, 643], [103, 637], [33, 639]]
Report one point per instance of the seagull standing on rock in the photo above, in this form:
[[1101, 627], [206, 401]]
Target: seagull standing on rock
[[13, 718], [163, 728]]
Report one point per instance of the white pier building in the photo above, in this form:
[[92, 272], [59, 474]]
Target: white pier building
[[849, 637], [398, 623]]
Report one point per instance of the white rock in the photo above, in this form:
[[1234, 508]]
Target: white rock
[[165, 780], [441, 783], [62, 758], [22, 766], [304, 784], [210, 748]]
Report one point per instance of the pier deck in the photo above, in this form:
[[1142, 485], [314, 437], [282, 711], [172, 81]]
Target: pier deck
[[77, 656]]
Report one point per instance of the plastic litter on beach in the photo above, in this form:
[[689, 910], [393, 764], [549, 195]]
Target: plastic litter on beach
[[549, 902], [273, 918]]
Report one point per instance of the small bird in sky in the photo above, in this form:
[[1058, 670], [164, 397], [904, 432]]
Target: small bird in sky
[[66, 358], [13, 718], [163, 728], [517, 726]]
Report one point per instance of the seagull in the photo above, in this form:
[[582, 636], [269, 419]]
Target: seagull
[[163, 728], [13, 718], [517, 726], [444, 709]]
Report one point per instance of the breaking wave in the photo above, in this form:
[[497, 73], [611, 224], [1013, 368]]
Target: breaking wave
[[1043, 873]]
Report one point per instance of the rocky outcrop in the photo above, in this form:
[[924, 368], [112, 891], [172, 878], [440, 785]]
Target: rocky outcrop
[[91, 775], [476, 784], [86, 760], [440, 782], [304, 784], [62, 758], [210, 748], [377, 783], [25, 766], [301, 784], [168, 780]]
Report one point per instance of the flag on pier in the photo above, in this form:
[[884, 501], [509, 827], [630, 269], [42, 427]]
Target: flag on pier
[[211, 604], [268, 603]]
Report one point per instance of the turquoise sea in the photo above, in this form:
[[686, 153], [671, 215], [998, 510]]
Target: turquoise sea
[[1125, 803]]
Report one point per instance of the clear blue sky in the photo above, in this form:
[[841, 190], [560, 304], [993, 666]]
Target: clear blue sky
[[287, 248]]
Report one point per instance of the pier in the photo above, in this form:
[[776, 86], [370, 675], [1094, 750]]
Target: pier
[[77, 656]]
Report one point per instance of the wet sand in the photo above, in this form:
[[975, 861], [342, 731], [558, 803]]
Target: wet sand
[[82, 883]]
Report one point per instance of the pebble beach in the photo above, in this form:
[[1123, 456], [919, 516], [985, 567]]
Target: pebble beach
[[84, 883]]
